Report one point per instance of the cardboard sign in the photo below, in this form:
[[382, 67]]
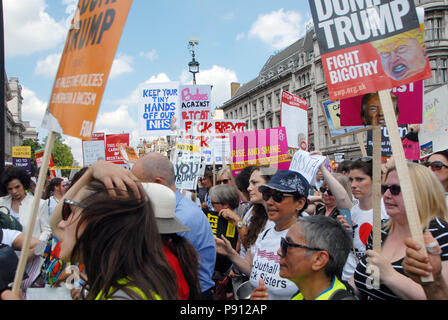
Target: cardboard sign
[[112, 147], [158, 109], [433, 134], [259, 147], [84, 67], [39, 157], [221, 226], [308, 165], [94, 149], [386, 148], [187, 169], [332, 112], [204, 132], [360, 41], [21, 152], [128, 153], [195, 103], [366, 109], [294, 117]]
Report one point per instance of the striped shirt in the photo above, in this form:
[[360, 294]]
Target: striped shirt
[[438, 229]]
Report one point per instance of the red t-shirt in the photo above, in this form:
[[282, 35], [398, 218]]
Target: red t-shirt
[[183, 290]]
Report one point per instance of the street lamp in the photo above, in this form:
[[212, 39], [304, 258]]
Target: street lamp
[[193, 65]]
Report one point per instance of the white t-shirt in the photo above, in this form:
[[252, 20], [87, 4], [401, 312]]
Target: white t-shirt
[[363, 223], [265, 265], [9, 236], [52, 203]]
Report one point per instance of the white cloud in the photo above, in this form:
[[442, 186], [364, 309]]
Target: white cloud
[[33, 108], [118, 120], [150, 55], [219, 77], [48, 67], [29, 28], [122, 64], [278, 28]]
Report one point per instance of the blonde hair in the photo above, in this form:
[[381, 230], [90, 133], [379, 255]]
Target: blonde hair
[[411, 34], [429, 195]]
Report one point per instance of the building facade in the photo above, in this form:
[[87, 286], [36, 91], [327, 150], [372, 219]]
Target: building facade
[[16, 130], [298, 70]]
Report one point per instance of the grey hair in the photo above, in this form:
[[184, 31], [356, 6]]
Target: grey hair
[[330, 235], [157, 165], [225, 194]]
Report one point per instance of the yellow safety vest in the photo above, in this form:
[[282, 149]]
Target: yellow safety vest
[[100, 295], [325, 295]]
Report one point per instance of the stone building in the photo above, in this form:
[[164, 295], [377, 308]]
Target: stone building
[[298, 70], [16, 129]]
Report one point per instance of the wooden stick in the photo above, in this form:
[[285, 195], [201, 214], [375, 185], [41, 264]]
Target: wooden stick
[[361, 144], [37, 197], [407, 190], [376, 188]]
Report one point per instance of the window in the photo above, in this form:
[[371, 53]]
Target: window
[[433, 28]]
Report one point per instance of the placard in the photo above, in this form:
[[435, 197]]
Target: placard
[[332, 113], [259, 147], [112, 147], [84, 67], [158, 109], [294, 118], [195, 103], [433, 133], [386, 148], [94, 149], [366, 109], [367, 46], [308, 165]]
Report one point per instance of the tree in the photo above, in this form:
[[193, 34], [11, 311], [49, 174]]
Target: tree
[[62, 154]]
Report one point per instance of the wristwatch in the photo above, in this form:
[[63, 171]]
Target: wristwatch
[[240, 224]]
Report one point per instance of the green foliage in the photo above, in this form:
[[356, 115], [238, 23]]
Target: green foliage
[[61, 154]]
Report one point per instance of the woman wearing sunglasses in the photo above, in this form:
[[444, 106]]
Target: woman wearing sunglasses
[[110, 227], [438, 163], [285, 197], [433, 215]]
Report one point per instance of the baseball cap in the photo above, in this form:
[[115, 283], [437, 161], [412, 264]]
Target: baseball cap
[[287, 181], [164, 204]]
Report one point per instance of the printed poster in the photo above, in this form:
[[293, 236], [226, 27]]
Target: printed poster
[[94, 149], [158, 109], [366, 109], [294, 118], [113, 142], [21, 157], [433, 134], [84, 67], [332, 112], [259, 147], [367, 46], [195, 103]]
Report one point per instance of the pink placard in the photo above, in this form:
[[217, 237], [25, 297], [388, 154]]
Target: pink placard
[[259, 147], [410, 104]]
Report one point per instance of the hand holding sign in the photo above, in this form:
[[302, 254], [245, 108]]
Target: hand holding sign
[[307, 164]]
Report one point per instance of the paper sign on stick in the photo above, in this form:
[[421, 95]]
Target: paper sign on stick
[[94, 149], [294, 117], [307, 165], [84, 67], [112, 147], [195, 103], [360, 40]]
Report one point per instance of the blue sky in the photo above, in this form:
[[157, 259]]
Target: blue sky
[[236, 37]]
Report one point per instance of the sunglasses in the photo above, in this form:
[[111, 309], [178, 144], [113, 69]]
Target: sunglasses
[[323, 190], [278, 196], [67, 210], [395, 189], [284, 245], [224, 181], [436, 165]]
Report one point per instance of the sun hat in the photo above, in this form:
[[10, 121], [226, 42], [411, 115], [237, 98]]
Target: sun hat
[[287, 181], [164, 204]]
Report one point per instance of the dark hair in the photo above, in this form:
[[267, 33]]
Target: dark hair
[[330, 235], [364, 166], [50, 187], [344, 166], [121, 241], [442, 153], [242, 179], [258, 218], [188, 258], [77, 176], [12, 173]]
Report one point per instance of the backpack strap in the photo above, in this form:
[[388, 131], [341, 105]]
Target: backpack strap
[[341, 294]]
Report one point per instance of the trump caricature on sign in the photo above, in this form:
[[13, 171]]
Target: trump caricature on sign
[[403, 55]]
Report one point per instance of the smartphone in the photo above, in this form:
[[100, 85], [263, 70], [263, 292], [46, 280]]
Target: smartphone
[[347, 216]]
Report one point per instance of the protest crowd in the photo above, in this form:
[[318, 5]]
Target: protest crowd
[[273, 219], [132, 234]]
